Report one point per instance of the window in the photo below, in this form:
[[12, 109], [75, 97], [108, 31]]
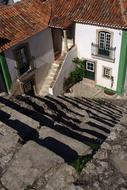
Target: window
[[90, 66], [107, 72], [103, 48], [104, 42]]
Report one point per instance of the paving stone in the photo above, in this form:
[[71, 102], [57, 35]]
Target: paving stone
[[64, 176], [8, 145], [78, 146], [120, 162], [31, 161], [21, 117]]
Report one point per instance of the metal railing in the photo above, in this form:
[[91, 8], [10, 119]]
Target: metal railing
[[107, 54]]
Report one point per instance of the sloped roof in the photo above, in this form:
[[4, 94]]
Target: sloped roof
[[22, 20], [112, 13], [28, 17]]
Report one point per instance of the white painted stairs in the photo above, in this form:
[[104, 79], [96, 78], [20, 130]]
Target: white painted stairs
[[50, 76]]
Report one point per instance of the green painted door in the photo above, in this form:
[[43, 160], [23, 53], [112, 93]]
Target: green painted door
[[4, 74], [2, 83], [90, 70]]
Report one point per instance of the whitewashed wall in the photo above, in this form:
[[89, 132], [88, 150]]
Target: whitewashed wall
[[85, 35], [67, 67], [41, 49]]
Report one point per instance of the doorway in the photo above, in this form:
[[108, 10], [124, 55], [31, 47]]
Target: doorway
[[90, 70], [22, 55], [28, 87], [57, 41]]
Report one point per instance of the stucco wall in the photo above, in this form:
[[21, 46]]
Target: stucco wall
[[41, 50], [85, 35], [64, 72]]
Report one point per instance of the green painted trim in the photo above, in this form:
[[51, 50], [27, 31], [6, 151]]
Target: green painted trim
[[6, 74], [99, 86], [122, 64]]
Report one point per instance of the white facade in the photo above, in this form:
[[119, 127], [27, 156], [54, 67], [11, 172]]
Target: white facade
[[85, 35], [41, 51], [67, 67]]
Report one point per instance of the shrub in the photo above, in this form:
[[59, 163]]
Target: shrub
[[109, 92], [76, 75]]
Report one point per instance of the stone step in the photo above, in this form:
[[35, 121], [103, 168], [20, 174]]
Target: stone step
[[55, 65], [81, 148], [15, 115], [30, 162], [50, 77], [51, 74]]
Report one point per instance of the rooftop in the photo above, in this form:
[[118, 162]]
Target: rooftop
[[22, 20], [28, 17], [111, 13]]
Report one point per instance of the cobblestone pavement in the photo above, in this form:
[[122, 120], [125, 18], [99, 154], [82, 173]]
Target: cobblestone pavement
[[86, 88], [40, 137]]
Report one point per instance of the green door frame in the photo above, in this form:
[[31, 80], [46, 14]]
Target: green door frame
[[5, 72], [90, 74], [122, 64]]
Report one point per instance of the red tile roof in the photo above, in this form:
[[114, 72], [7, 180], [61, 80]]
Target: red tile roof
[[28, 17], [112, 13], [22, 20]]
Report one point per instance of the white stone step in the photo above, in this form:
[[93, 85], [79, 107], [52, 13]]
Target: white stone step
[[52, 73], [55, 65], [50, 77], [53, 69]]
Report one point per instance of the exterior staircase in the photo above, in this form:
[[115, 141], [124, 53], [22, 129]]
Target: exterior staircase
[[51, 75]]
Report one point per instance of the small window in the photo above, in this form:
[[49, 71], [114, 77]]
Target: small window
[[107, 72], [90, 66]]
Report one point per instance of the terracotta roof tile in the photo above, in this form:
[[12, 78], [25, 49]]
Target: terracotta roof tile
[[28, 17], [22, 20], [98, 12]]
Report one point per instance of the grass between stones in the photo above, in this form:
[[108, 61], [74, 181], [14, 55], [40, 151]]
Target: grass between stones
[[29, 187], [81, 161]]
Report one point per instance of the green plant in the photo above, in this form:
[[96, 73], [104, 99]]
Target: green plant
[[109, 91], [29, 187], [80, 163], [76, 75]]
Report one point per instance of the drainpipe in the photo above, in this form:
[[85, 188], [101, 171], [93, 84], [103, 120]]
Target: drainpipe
[[64, 44]]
